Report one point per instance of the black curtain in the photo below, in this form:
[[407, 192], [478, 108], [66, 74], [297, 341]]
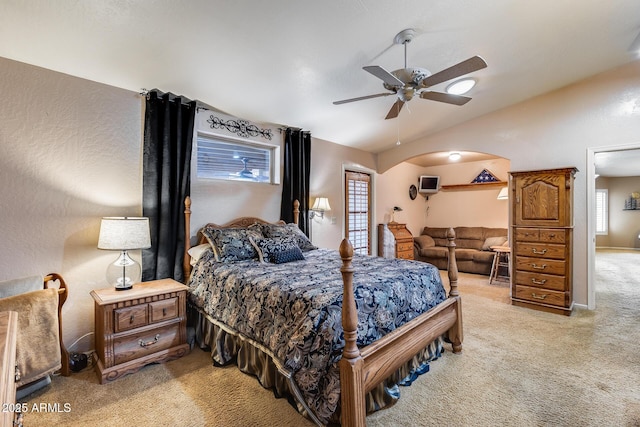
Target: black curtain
[[295, 185], [168, 133]]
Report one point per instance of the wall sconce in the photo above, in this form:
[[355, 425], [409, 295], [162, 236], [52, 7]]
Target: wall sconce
[[503, 194], [123, 234], [320, 206]]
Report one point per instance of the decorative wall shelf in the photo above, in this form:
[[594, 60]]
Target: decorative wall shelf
[[475, 186]]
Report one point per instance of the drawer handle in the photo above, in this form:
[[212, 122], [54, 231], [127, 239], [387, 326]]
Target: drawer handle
[[538, 282], [539, 267], [164, 312], [552, 235], [149, 343], [131, 319], [536, 296], [542, 252]]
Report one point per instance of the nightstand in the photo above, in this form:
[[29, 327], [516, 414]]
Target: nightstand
[[143, 325]]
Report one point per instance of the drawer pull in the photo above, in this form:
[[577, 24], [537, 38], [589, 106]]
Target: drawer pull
[[164, 312], [539, 267], [552, 235], [542, 252], [148, 343], [536, 296], [538, 282], [131, 319]]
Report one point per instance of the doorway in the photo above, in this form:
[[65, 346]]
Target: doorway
[[628, 158]]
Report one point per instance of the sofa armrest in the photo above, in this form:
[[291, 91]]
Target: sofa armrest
[[423, 241]]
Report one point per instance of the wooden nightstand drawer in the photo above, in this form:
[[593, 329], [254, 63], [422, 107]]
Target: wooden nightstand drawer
[[140, 344], [130, 317], [405, 254], [163, 310]]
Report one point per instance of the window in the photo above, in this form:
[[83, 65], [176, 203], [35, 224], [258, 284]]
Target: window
[[230, 159], [358, 215], [602, 211]]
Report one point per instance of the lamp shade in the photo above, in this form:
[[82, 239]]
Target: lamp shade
[[321, 204], [503, 194], [124, 233]]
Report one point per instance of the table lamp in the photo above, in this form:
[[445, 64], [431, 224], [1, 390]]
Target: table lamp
[[123, 234]]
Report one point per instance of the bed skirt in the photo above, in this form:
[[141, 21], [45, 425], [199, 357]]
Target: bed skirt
[[228, 346]]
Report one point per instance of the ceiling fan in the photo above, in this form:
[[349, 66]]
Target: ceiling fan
[[407, 82]]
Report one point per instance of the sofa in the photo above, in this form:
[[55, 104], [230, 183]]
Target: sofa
[[473, 247]]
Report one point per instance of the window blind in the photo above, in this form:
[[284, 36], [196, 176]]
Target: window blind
[[232, 160], [602, 211], [358, 218]]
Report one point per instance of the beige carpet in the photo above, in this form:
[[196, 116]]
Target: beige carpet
[[519, 367]]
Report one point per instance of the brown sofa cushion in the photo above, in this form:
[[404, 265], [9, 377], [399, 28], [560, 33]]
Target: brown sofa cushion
[[424, 241]]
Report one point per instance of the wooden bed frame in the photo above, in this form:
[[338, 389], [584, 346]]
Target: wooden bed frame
[[361, 369]]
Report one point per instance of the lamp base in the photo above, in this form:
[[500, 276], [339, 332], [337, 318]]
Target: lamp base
[[124, 272]]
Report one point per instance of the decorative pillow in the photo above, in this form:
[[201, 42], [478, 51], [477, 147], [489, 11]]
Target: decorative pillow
[[493, 241], [266, 246], [198, 251], [232, 244], [289, 230], [288, 255], [424, 241]]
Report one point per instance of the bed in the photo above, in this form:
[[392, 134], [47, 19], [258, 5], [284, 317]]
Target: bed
[[289, 316]]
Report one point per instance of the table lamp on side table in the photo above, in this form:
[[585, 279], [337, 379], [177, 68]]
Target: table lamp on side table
[[123, 234]]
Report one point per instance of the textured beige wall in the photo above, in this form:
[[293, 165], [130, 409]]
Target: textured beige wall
[[328, 161], [70, 153]]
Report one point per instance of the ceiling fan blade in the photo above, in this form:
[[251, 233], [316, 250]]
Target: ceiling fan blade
[[360, 98], [465, 67], [395, 110], [445, 97], [384, 75]]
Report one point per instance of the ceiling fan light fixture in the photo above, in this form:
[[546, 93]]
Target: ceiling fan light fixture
[[455, 156], [461, 87]]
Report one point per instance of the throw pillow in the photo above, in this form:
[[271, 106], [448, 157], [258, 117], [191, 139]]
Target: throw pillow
[[266, 246], [289, 230], [288, 255]]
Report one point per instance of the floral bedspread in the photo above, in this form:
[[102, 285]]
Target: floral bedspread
[[294, 309]]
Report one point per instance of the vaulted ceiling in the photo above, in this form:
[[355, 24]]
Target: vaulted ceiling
[[286, 61]]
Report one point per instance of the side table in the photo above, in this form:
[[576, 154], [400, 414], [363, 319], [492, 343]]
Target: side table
[[143, 325], [501, 258]]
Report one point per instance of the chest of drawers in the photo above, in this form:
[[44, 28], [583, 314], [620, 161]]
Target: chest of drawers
[[542, 234], [143, 325], [396, 238]]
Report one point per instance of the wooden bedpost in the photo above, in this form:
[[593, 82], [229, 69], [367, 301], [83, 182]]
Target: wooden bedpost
[[352, 391], [65, 370], [455, 333], [186, 262], [296, 212], [452, 267]]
